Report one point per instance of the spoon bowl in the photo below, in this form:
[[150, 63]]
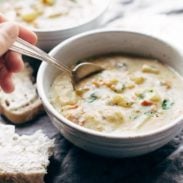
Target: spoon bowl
[[84, 69]]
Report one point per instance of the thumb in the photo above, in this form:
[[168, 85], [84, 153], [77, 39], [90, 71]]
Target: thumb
[[8, 34]]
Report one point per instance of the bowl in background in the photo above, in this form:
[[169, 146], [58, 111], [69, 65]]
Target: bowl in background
[[48, 38], [101, 42]]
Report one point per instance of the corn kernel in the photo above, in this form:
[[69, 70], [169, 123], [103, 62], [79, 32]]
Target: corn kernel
[[98, 82], [155, 97], [111, 82], [129, 85], [48, 2]]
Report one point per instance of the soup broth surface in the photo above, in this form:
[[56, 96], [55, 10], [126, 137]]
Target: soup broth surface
[[131, 96]]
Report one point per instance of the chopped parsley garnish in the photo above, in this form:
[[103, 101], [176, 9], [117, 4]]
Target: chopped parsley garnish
[[151, 90], [133, 117], [150, 113], [122, 65], [92, 98], [166, 104], [141, 96], [75, 1]]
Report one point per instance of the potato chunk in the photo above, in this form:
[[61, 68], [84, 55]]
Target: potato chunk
[[115, 117], [29, 16], [150, 69], [137, 79], [120, 100]]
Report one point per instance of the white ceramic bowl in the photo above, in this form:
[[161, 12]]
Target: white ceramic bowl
[[48, 38], [103, 42]]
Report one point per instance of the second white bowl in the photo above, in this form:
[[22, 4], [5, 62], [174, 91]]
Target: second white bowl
[[48, 38]]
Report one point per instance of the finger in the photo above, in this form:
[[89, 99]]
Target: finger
[[2, 18], [8, 34], [6, 82], [27, 35], [13, 61], [24, 33], [1, 63]]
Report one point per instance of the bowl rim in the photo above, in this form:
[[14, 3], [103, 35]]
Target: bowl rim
[[62, 119], [97, 15]]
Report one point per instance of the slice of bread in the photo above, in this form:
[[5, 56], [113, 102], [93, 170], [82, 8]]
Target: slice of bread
[[23, 104], [23, 159]]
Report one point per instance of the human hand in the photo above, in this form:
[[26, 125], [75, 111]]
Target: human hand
[[11, 62]]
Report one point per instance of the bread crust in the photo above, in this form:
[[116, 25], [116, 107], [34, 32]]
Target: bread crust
[[22, 178], [24, 103], [23, 115]]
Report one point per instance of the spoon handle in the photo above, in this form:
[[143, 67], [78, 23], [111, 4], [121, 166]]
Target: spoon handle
[[25, 48]]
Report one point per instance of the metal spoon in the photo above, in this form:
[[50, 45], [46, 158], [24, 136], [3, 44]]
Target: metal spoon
[[79, 72]]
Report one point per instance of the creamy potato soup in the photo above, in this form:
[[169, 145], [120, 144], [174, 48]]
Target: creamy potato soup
[[131, 96], [49, 14]]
